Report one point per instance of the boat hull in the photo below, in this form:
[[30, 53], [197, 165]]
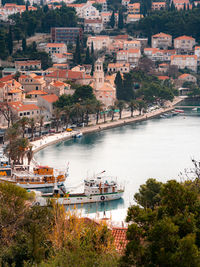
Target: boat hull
[[79, 199]]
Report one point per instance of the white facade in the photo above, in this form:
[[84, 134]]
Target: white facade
[[99, 42], [185, 61]]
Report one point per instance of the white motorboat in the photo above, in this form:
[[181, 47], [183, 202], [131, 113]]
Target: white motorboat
[[95, 190]]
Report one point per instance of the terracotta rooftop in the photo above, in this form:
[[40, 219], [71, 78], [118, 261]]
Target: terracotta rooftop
[[56, 45], [50, 98], [120, 240], [7, 78], [36, 92], [162, 78], [19, 106], [161, 34], [183, 76], [184, 37], [184, 56]]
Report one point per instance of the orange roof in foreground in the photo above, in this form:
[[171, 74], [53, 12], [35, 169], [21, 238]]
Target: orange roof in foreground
[[50, 98], [184, 75], [7, 78], [120, 240], [162, 78]]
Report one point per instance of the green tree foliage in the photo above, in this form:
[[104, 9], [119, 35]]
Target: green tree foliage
[[164, 229], [112, 20], [176, 23], [10, 40], [3, 47], [119, 86], [64, 100], [88, 59], [83, 92], [121, 20], [77, 54], [24, 44], [128, 87]]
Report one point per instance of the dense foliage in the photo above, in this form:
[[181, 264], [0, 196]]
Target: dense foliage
[[138, 84], [176, 23], [165, 225], [48, 236]]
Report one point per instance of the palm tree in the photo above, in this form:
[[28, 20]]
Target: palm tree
[[12, 133], [32, 124], [133, 105], [56, 116], [67, 112], [29, 154], [77, 109], [112, 110], [89, 106], [24, 123], [41, 122], [22, 144], [98, 107], [121, 105], [141, 106]]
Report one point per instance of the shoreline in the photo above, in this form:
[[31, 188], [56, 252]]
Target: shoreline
[[125, 120]]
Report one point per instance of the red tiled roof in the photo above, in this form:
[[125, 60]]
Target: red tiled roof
[[120, 240], [161, 34], [50, 98], [19, 106], [36, 92], [55, 44], [162, 78], [183, 76], [7, 78], [184, 37]]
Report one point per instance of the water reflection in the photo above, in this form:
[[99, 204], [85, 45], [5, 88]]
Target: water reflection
[[99, 207]]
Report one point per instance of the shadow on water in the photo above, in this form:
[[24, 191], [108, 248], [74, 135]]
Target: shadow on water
[[99, 206]]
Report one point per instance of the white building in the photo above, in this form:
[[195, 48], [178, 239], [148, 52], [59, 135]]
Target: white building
[[93, 25], [56, 48], [185, 61], [99, 42]]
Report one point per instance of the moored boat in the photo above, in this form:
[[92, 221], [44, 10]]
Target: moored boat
[[179, 110], [95, 190], [42, 178]]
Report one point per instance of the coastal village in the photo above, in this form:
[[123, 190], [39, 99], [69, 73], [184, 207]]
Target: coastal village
[[69, 68]]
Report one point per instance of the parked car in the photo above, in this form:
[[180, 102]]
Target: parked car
[[69, 129]]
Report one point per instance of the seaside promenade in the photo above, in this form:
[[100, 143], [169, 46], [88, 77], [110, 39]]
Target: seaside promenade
[[93, 127]]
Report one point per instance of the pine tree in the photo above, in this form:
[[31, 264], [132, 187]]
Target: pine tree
[[92, 70], [92, 49], [87, 57], [77, 55], [112, 20], [120, 20], [119, 86], [10, 41], [24, 44]]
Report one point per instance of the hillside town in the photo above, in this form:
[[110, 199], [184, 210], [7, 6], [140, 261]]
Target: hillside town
[[74, 67]]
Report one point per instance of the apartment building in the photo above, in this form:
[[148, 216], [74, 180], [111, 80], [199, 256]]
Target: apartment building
[[134, 8], [66, 34], [93, 25], [161, 40], [56, 48], [131, 44], [158, 5], [99, 42], [131, 56], [184, 44], [28, 65], [122, 67], [185, 61]]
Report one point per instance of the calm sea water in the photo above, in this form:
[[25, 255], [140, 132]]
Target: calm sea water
[[157, 148]]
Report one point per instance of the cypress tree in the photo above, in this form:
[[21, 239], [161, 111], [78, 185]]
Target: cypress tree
[[10, 41], [128, 87], [112, 20], [119, 86], [87, 57], [77, 55], [92, 70], [92, 49], [24, 44], [120, 20]]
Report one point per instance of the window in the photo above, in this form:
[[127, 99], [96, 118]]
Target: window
[[20, 114], [28, 113], [36, 88]]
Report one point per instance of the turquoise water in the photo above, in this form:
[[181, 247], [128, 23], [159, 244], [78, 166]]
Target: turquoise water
[[157, 148]]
